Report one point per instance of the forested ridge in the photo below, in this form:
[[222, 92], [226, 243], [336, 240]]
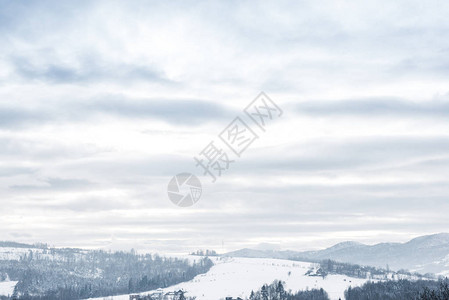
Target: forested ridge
[[49, 273]]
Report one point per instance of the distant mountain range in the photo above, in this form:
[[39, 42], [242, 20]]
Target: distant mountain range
[[425, 254]]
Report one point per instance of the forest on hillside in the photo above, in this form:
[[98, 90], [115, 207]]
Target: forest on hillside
[[382, 290], [76, 274]]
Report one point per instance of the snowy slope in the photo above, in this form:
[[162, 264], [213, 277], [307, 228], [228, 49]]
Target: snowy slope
[[232, 276], [11, 253], [7, 287]]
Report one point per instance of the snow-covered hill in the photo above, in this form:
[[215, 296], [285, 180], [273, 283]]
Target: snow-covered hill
[[41, 270], [234, 276], [12, 253], [425, 254]]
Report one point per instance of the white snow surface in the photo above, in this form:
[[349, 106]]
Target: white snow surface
[[7, 287], [236, 277], [12, 253]]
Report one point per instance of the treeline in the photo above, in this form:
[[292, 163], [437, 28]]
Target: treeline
[[276, 291], [71, 274], [329, 266], [17, 245], [352, 270], [400, 290], [382, 290], [204, 253]]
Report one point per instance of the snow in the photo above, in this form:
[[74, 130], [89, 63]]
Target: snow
[[11, 253], [7, 287], [236, 277]]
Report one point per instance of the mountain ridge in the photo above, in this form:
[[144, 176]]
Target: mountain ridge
[[424, 254]]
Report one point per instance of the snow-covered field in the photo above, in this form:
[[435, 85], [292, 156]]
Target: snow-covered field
[[236, 277], [7, 287]]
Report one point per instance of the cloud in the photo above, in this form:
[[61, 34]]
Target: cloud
[[192, 112], [182, 111], [7, 171], [19, 117], [87, 71], [90, 89], [16, 235], [345, 155], [56, 184], [375, 107]]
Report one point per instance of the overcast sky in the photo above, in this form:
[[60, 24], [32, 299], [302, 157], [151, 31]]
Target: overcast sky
[[102, 102]]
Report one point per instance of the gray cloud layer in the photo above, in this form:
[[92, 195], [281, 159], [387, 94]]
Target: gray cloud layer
[[102, 102], [183, 111], [376, 107]]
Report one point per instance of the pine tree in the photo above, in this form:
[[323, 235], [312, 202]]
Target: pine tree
[[264, 292], [252, 296], [280, 291]]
